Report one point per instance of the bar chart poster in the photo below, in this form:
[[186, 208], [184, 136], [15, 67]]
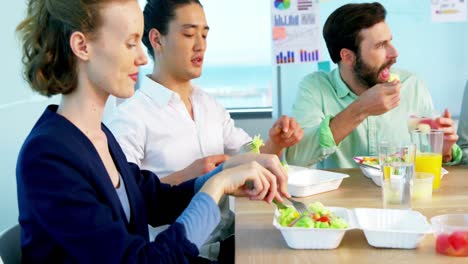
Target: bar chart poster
[[296, 31]]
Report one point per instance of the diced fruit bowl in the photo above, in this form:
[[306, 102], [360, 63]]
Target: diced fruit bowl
[[369, 165], [451, 232], [423, 123]]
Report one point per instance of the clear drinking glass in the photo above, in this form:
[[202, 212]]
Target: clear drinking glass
[[429, 153], [397, 165]]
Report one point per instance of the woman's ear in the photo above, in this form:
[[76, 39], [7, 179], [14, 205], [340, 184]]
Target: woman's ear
[[79, 45], [347, 56], [155, 39]]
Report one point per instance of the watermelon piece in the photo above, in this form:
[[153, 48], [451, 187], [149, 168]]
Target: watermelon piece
[[458, 240]]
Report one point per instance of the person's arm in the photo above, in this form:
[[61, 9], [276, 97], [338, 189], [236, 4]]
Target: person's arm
[[451, 153], [324, 132], [268, 162], [377, 100], [268, 180], [233, 137], [182, 203], [456, 156], [317, 142], [63, 198], [284, 133], [197, 168]]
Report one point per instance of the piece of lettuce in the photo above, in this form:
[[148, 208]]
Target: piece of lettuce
[[287, 216], [257, 143]]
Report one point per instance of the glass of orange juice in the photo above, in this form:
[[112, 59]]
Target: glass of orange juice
[[429, 153]]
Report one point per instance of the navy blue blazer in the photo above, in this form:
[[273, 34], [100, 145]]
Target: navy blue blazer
[[69, 210]]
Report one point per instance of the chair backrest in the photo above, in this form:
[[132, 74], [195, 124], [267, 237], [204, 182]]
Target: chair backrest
[[10, 245]]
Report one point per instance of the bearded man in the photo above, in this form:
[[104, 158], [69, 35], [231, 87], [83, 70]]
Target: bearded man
[[348, 111]]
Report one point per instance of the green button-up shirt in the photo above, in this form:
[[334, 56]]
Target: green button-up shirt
[[323, 95]]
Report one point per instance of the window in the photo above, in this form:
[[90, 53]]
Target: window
[[237, 68]]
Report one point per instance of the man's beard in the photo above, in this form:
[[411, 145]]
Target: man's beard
[[366, 74]]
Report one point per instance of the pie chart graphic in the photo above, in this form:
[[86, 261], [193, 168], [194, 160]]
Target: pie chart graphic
[[282, 4]]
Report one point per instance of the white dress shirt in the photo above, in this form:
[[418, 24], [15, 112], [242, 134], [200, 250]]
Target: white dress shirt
[[157, 133]]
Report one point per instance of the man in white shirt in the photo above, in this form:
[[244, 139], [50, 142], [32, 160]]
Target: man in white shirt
[[175, 129]]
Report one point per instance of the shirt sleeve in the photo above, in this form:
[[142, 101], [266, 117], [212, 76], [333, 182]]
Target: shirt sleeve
[[233, 136], [317, 143], [457, 156], [201, 212], [200, 181]]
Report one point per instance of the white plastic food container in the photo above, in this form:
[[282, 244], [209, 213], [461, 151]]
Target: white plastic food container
[[392, 228], [383, 228], [315, 238], [304, 181]]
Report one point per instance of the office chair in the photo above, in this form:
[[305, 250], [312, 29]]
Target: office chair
[[10, 245]]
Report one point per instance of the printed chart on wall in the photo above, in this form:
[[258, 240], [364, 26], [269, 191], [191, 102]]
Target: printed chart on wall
[[296, 31], [448, 10]]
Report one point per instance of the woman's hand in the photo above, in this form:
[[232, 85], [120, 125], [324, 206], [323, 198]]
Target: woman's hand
[[250, 179], [268, 161]]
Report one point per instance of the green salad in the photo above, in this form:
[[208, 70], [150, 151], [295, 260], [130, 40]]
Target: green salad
[[257, 143], [317, 216]]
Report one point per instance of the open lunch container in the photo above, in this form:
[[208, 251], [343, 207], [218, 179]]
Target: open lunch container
[[383, 228], [305, 182]]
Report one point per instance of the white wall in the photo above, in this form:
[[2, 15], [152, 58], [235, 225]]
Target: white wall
[[19, 108]]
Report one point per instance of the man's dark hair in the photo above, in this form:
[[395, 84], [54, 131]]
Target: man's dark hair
[[158, 14], [342, 28]]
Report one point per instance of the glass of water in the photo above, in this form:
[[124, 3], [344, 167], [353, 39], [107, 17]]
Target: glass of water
[[397, 165]]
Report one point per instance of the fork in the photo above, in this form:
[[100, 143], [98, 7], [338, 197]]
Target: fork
[[299, 206], [279, 204], [246, 148]]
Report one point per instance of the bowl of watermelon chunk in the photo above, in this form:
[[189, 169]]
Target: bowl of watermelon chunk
[[451, 232]]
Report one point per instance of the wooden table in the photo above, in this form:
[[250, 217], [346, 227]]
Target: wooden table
[[257, 241]]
